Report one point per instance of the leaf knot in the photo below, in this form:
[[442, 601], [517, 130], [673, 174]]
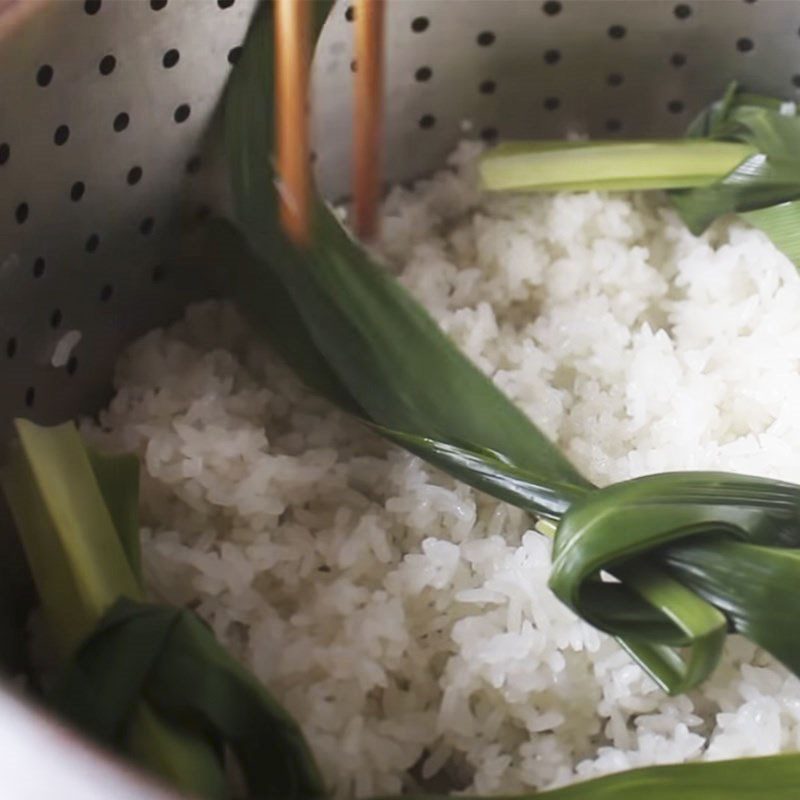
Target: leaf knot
[[670, 563]]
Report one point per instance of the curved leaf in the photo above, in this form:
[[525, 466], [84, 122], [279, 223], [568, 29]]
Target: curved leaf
[[769, 177], [684, 521], [169, 657], [390, 355], [773, 777]]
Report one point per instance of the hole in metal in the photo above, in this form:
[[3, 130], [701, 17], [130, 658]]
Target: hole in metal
[[107, 64], [44, 75], [171, 58], [77, 191], [121, 122], [182, 113], [427, 121], [61, 135]]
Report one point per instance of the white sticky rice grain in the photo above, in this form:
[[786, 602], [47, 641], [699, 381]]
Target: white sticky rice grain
[[404, 619]]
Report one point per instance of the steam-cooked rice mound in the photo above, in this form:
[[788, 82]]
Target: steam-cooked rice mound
[[403, 618]]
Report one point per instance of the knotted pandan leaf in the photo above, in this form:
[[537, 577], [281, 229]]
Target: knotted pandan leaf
[[692, 555]]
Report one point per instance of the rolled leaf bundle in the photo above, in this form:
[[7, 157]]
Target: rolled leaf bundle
[[149, 681]]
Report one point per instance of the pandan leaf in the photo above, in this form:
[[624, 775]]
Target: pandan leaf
[[755, 586], [82, 564], [741, 155], [117, 478], [71, 542], [727, 539], [768, 177], [274, 314], [773, 777], [147, 680], [782, 224], [383, 347], [583, 166], [169, 657]]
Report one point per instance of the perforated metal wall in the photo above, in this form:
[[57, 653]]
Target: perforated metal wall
[[103, 104], [102, 108]]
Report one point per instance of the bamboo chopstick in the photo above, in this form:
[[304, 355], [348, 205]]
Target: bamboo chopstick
[[292, 60], [368, 120], [292, 57]]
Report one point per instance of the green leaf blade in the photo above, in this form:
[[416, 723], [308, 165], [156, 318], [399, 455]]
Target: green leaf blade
[[782, 224], [69, 536], [384, 349], [117, 477], [773, 777], [171, 659], [82, 563]]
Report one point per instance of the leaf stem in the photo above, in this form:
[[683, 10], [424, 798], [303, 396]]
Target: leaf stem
[[80, 569], [609, 166]]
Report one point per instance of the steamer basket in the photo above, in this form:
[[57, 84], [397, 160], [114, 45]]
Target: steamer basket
[[108, 160]]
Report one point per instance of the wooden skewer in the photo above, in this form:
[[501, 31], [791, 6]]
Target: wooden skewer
[[292, 58], [368, 121]]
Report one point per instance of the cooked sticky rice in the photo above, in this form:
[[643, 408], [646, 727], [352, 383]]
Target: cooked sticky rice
[[403, 618]]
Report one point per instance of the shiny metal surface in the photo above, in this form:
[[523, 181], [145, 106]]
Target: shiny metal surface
[[518, 68], [102, 109], [40, 760], [104, 103]]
